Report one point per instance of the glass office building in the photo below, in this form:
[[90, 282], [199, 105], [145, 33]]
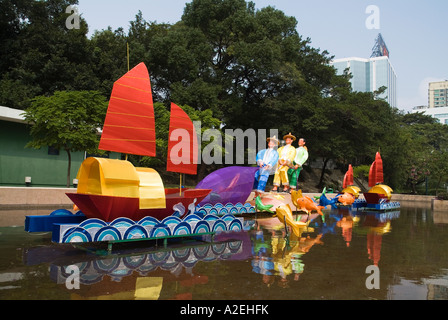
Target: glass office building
[[368, 75]]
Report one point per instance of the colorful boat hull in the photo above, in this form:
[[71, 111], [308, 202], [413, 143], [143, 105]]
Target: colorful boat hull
[[109, 208]]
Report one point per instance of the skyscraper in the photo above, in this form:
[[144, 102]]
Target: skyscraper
[[369, 75]]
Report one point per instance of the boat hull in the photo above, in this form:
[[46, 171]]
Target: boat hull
[[109, 208]]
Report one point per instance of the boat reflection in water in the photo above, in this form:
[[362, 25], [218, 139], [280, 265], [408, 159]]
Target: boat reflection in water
[[175, 271], [328, 261], [129, 276], [373, 224], [279, 255]]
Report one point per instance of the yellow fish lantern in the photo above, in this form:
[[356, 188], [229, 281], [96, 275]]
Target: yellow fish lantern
[[295, 196], [284, 214]]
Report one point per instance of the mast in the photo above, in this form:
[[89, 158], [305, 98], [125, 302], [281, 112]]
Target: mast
[[127, 49], [127, 57]]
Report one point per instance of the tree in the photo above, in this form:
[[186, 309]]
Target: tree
[[252, 68], [67, 121], [237, 61], [226, 62], [41, 55], [108, 60], [425, 151]]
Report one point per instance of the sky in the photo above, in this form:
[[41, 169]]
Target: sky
[[415, 32]]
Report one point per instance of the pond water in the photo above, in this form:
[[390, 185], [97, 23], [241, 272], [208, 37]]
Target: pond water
[[329, 261]]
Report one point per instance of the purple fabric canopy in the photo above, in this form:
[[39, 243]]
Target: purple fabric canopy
[[228, 185]]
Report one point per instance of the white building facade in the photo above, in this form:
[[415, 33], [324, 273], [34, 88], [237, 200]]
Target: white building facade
[[437, 94], [437, 101], [368, 75]]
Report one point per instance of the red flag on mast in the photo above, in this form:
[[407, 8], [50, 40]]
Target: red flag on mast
[[182, 143]]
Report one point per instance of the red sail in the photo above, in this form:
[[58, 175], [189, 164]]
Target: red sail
[[182, 143], [376, 171], [130, 125], [348, 178]]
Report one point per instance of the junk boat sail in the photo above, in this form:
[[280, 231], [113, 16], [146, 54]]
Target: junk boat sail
[[348, 184], [109, 189], [378, 189]]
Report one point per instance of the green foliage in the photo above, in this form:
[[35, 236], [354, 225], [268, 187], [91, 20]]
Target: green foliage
[[68, 120], [361, 172], [41, 55], [229, 65], [426, 152], [442, 196]]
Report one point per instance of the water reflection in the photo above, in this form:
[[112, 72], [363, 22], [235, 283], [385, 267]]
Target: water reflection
[[327, 261], [278, 254], [374, 224], [129, 275]]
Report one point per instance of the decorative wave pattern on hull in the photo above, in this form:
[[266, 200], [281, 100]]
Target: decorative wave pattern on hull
[[96, 230], [220, 209]]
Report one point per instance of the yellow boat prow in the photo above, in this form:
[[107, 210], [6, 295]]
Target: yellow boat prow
[[119, 178], [382, 189]]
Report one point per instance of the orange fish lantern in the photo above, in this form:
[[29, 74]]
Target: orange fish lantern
[[308, 205], [346, 199]]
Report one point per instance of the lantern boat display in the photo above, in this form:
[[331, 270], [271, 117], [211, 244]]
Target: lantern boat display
[[110, 189], [379, 196], [120, 202]]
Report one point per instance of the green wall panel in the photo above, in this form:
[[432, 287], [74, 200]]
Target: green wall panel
[[18, 162]]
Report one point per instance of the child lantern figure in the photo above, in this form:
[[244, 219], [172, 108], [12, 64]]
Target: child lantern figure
[[286, 157], [267, 162], [300, 158]]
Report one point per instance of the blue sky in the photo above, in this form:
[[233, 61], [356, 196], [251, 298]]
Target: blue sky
[[414, 31]]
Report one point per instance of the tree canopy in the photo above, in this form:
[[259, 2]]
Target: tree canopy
[[230, 65], [67, 120]]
